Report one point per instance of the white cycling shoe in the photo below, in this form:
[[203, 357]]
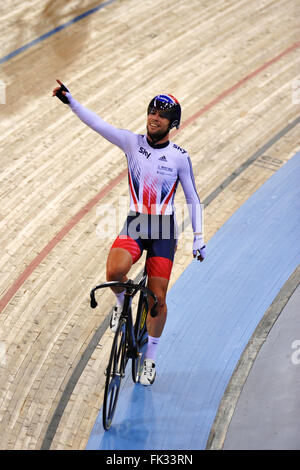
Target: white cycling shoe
[[148, 372], [115, 317]]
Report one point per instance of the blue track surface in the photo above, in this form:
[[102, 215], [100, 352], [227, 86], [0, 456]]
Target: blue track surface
[[214, 308]]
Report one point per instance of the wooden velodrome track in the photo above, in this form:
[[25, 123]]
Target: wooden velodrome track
[[232, 64]]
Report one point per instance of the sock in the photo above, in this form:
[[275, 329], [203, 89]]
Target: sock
[[152, 348], [120, 299]]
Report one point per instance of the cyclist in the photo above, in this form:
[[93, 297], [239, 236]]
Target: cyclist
[[155, 167]]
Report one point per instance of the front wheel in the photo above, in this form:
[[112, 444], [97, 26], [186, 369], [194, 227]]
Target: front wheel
[[114, 373]]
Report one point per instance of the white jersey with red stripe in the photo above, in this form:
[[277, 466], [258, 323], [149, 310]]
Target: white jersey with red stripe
[[153, 171]]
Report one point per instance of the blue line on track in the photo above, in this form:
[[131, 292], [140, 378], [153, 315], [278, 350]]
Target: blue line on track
[[214, 308], [54, 31]]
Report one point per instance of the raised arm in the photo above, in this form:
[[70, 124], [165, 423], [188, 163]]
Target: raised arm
[[112, 134]]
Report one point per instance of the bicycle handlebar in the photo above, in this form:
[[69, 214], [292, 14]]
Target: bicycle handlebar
[[130, 287]]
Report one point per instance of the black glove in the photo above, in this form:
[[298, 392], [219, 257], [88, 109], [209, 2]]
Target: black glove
[[62, 97]]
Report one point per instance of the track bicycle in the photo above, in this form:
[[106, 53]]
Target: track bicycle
[[128, 341]]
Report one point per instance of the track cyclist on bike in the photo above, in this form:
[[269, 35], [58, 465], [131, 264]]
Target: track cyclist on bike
[[155, 167]]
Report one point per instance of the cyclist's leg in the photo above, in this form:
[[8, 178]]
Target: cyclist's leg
[[123, 254], [159, 264], [118, 264], [155, 326], [159, 271]]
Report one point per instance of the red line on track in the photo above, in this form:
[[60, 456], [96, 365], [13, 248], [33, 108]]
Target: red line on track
[[80, 214], [238, 85], [57, 238]]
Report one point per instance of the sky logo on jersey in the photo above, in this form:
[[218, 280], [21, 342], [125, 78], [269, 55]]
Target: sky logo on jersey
[[144, 152], [179, 148]]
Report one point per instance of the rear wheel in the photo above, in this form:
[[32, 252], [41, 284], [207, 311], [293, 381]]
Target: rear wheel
[[141, 335], [114, 373]]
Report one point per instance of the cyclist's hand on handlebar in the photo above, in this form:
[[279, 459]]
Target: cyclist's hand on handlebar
[[199, 248], [60, 92]]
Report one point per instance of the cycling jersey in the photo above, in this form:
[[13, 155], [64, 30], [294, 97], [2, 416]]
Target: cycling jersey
[[154, 171]]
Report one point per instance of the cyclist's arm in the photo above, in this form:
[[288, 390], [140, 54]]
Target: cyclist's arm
[[187, 180], [116, 136]]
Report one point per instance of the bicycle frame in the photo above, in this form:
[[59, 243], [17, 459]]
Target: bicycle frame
[[131, 290], [126, 343]]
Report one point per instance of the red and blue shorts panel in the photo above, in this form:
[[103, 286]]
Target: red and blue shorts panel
[[153, 233]]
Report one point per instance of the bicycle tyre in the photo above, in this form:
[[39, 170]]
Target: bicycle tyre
[[140, 331], [115, 371]]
